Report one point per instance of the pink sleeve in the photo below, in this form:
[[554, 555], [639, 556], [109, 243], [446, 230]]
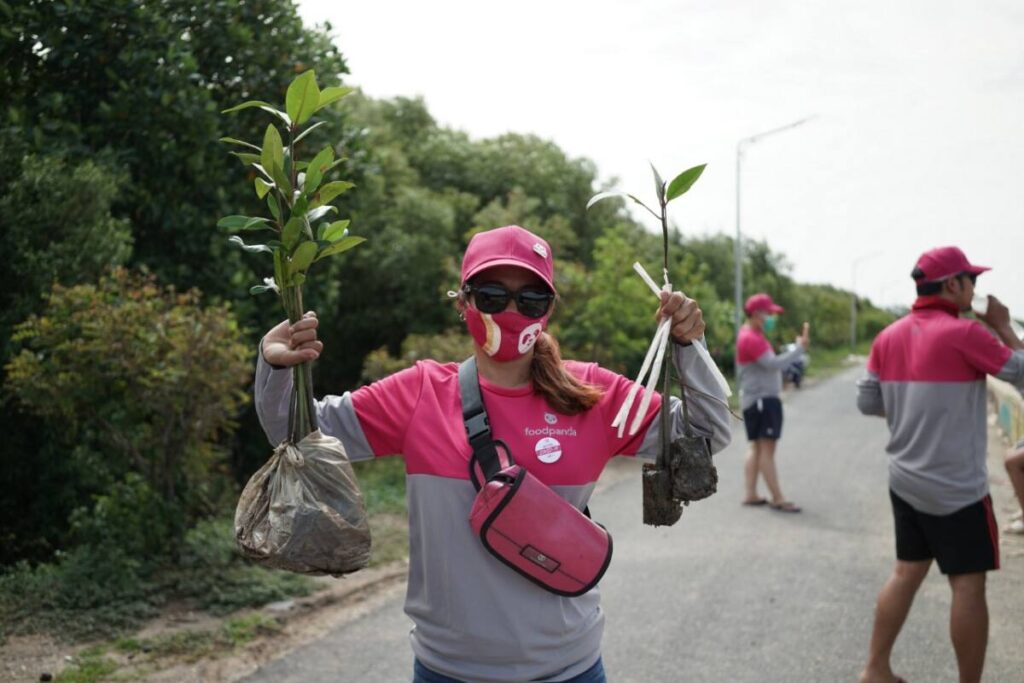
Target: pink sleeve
[[873, 358], [750, 346], [983, 351], [385, 409], [616, 388]]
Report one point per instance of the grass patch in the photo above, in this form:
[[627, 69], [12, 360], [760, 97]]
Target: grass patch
[[103, 592], [90, 665], [827, 362], [100, 593]]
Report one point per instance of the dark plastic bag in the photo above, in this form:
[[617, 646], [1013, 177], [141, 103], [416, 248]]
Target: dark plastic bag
[[303, 511]]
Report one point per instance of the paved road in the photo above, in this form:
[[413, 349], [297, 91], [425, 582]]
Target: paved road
[[739, 594]]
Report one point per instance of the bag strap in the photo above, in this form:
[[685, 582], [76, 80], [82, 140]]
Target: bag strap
[[478, 427]]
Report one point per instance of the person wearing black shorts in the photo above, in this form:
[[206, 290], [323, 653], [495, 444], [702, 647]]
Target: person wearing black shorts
[[760, 376], [926, 376]]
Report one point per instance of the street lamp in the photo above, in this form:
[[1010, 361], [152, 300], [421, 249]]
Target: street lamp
[[853, 297], [738, 245]]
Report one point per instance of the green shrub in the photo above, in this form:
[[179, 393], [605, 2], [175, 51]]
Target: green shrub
[[148, 379]]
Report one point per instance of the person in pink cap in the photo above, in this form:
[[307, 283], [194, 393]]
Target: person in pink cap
[[926, 377], [474, 618], [760, 378]]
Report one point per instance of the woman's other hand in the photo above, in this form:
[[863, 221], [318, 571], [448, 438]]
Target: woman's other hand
[[804, 340], [286, 344], [687, 318]]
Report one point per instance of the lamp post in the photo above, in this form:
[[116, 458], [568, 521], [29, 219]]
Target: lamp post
[[738, 244], [853, 297]]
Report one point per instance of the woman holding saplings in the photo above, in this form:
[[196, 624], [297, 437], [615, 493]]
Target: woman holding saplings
[[760, 375], [474, 618]]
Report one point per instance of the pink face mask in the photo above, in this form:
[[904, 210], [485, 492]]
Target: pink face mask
[[504, 336]]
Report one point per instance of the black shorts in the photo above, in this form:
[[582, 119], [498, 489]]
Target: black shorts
[[764, 419], [964, 542]]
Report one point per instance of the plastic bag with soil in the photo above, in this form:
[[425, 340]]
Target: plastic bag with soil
[[303, 511]]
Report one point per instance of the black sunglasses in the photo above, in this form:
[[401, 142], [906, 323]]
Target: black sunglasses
[[533, 301]]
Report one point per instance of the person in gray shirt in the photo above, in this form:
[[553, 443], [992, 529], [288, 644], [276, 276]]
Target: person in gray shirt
[[760, 375]]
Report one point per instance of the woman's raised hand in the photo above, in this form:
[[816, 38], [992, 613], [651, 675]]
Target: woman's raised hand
[[288, 344], [804, 339], [687, 318]]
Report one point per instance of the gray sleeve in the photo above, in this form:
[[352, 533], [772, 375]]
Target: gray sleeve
[[1013, 371], [770, 361], [869, 396], [707, 403], [335, 414]]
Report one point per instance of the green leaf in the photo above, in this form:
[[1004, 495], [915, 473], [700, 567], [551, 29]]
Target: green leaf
[[331, 190], [261, 289], [335, 231], [246, 157], [683, 182], [319, 212], [243, 143], [281, 180], [246, 105], [273, 150], [614, 193], [308, 131], [274, 206], [262, 187], [252, 248], [316, 169], [300, 207], [332, 94], [290, 234], [242, 223], [303, 256], [285, 119], [303, 97], [340, 246], [659, 184]]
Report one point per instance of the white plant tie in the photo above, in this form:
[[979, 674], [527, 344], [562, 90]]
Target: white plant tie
[[655, 356], [701, 350]]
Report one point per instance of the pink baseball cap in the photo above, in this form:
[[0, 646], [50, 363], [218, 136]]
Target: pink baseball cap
[[942, 263], [761, 302], [508, 246]]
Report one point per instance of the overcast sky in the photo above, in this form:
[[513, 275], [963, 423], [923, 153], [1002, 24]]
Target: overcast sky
[[917, 138]]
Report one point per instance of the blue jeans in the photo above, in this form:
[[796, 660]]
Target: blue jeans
[[422, 674]]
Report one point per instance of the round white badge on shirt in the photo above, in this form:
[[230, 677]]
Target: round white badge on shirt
[[548, 450]]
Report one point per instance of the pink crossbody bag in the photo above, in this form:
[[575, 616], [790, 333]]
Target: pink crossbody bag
[[522, 522]]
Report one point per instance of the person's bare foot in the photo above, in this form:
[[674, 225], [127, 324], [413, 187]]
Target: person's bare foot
[[880, 677]]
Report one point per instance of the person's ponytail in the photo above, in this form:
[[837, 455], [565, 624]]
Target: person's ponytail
[[563, 392]]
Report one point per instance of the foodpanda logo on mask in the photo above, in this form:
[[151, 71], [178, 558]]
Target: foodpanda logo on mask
[[528, 337]]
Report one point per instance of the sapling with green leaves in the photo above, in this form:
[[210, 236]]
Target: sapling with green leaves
[[683, 471], [298, 198], [302, 511]]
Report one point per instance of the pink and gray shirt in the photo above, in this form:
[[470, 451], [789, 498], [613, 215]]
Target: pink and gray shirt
[[760, 370], [926, 376], [476, 620]]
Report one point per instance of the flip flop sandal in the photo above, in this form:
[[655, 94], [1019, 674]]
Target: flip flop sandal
[[785, 507], [755, 502]]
